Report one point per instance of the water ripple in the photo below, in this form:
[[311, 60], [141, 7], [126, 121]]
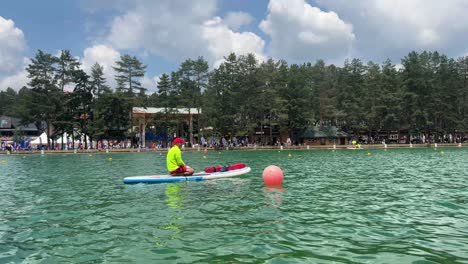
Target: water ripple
[[343, 206]]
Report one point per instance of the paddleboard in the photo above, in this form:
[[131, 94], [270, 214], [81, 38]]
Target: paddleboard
[[201, 176]]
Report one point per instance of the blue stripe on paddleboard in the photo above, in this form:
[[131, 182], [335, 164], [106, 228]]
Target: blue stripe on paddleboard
[[195, 178], [161, 180]]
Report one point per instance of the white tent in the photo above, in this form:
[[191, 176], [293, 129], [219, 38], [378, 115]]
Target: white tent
[[42, 139], [67, 139]]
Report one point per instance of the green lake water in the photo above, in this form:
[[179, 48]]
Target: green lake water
[[343, 206]]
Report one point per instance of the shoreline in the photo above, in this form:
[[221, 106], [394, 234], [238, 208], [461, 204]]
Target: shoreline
[[284, 148]]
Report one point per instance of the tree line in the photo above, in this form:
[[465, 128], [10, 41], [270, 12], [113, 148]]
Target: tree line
[[427, 94]]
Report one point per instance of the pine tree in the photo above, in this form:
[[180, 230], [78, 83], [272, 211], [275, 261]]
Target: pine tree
[[98, 81], [389, 107], [164, 86], [371, 98], [7, 102], [129, 69], [66, 66], [193, 80], [82, 99], [47, 99]]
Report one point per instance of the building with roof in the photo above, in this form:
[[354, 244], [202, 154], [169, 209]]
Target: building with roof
[[324, 136], [11, 125]]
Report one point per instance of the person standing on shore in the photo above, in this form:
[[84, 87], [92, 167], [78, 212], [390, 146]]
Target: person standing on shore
[[175, 164]]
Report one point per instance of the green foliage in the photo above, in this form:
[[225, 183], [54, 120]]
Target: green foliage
[[98, 81], [428, 94], [7, 102], [220, 96], [66, 67], [297, 96], [111, 117], [46, 100], [164, 87], [129, 69]]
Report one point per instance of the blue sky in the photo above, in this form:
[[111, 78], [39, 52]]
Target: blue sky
[[163, 33]]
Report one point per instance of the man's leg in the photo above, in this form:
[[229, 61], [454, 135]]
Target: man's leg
[[189, 171], [183, 171]]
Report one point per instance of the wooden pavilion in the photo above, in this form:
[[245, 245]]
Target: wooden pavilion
[[144, 115]]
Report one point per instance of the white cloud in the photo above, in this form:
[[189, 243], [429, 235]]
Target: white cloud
[[178, 29], [15, 81], [301, 32], [392, 28], [12, 46], [236, 20], [222, 41], [106, 56], [150, 83], [399, 66]]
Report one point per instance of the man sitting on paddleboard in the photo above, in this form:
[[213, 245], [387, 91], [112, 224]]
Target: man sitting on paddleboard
[[175, 164]]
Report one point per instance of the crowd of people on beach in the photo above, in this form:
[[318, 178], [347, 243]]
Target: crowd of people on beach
[[10, 146], [221, 143]]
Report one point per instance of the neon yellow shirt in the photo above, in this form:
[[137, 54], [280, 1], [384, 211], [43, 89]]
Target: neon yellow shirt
[[174, 159]]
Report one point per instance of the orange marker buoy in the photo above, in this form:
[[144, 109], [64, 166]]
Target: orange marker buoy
[[272, 175]]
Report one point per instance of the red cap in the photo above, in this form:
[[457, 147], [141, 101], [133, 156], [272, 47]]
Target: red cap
[[179, 141]]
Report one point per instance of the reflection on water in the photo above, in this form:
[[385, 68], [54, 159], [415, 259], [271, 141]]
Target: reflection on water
[[394, 206], [172, 229], [274, 194], [174, 197]]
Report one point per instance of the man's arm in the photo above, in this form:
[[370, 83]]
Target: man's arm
[[178, 158]]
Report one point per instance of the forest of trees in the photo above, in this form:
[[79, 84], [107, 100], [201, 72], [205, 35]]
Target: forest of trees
[[427, 94]]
